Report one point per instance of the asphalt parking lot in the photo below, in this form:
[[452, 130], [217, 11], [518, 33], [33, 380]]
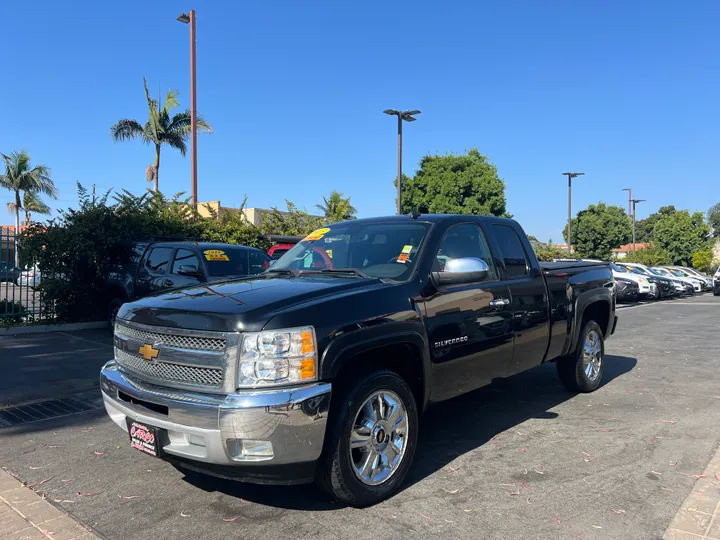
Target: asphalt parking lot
[[522, 458]]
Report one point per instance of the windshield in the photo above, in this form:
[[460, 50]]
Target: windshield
[[618, 268], [660, 272], [380, 250], [230, 261], [675, 272]]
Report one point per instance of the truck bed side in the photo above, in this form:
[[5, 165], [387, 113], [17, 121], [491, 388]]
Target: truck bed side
[[574, 288]]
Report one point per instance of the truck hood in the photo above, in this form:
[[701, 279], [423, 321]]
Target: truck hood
[[238, 305]]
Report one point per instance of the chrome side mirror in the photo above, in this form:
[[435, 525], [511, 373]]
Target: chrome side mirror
[[463, 270]]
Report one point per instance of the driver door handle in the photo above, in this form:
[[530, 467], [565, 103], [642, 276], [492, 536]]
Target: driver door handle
[[499, 303]]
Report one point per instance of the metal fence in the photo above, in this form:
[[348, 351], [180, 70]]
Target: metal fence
[[20, 297]]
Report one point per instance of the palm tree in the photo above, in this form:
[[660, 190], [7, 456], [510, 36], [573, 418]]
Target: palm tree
[[31, 204], [21, 177], [159, 129], [337, 208]]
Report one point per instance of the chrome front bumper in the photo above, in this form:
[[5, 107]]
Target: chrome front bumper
[[210, 429]]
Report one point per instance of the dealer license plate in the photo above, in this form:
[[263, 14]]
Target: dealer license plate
[[143, 437]]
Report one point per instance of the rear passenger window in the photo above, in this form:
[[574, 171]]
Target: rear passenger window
[[158, 260], [513, 254], [258, 261]]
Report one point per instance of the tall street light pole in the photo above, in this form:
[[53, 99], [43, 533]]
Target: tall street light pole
[[629, 190], [570, 176], [634, 202], [408, 117], [189, 18]]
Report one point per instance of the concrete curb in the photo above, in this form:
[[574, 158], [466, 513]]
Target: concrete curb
[[699, 516], [40, 328], [25, 514]]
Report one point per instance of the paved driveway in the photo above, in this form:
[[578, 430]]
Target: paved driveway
[[520, 459]]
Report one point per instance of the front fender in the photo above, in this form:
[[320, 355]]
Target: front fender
[[343, 348]]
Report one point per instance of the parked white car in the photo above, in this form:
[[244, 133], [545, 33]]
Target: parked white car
[[692, 273], [30, 277], [645, 288], [698, 283]]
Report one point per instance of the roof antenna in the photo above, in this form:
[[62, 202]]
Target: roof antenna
[[415, 213]]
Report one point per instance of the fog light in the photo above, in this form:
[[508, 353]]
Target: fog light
[[249, 450]]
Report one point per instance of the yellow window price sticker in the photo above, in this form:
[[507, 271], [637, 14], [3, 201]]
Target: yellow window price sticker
[[404, 254], [316, 235], [215, 255], [407, 249]]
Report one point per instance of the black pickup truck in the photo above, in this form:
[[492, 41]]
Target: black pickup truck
[[307, 373], [151, 267]]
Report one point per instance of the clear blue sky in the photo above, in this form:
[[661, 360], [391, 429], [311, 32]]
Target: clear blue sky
[[627, 92]]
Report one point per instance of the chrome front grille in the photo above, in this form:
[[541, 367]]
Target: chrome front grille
[[172, 340], [199, 361], [170, 372]]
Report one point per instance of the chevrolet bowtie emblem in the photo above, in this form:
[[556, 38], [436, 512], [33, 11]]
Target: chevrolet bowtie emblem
[[148, 352]]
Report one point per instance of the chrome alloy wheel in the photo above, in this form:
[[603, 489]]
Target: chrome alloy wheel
[[592, 356], [378, 437]]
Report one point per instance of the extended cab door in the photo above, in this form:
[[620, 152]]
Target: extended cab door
[[469, 326], [152, 272], [528, 292]]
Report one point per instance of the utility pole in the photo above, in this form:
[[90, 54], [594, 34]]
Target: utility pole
[[629, 190], [570, 176], [408, 117], [634, 202], [189, 18]]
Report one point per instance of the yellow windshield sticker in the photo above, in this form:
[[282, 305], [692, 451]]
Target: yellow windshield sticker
[[316, 235], [215, 255], [329, 252], [407, 249]]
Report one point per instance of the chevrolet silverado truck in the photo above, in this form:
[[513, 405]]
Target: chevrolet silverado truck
[[305, 374]]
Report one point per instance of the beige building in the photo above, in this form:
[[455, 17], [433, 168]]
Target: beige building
[[215, 208]]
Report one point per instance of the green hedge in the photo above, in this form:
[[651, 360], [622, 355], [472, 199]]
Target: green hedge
[[80, 247]]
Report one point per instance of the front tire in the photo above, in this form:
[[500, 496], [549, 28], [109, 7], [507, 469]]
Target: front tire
[[371, 440], [112, 311], [583, 370]]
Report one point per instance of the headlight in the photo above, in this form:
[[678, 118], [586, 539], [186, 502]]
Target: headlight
[[278, 357]]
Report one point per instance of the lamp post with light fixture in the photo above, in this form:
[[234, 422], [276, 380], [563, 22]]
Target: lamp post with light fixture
[[189, 18], [408, 117], [634, 202], [570, 176]]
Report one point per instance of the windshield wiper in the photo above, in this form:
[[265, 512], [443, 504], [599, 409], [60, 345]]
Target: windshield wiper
[[294, 273], [351, 271]]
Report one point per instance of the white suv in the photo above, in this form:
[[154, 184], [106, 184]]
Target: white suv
[[645, 288]]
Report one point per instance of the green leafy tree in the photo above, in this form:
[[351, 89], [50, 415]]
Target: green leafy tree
[[337, 208], [650, 256], [455, 184], [703, 261], [292, 221], [713, 217], [681, 234], [644, 227], [31, 204], [159, 129], [598, 229], [21, 177]]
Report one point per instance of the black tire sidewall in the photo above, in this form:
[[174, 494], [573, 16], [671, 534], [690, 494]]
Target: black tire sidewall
[[113, 307], [584, 384], [343, 482]]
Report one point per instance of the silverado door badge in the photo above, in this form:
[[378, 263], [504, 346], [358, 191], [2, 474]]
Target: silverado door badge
[[455, 341]]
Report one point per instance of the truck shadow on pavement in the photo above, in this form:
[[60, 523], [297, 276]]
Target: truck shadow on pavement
[[447, 431]]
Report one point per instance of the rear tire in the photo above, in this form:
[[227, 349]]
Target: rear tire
[[582, 371], [349, 474]]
